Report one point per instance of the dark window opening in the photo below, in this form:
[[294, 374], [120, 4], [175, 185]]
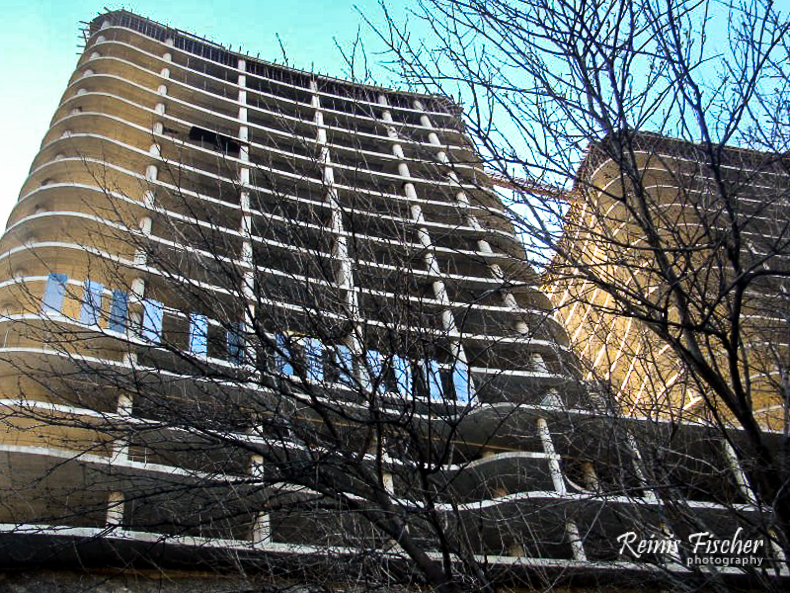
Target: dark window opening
[[215, 141]]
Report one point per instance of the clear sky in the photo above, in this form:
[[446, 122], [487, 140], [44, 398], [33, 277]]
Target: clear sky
[[40, 46]]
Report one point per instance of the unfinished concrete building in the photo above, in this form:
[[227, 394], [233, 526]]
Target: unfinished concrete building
[[256, 317]]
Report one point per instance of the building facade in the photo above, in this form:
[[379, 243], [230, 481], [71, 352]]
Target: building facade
[[263, 320], [721, 220]]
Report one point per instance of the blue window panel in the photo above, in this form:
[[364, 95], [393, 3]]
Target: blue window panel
[[314, 359], [434, 380], [119, 310], [198, 334], [236, 343], [375, 368], [462, 382], [54, 293], [282, 355], [403, 378], [90, 303], [345, 364], [153, 312]]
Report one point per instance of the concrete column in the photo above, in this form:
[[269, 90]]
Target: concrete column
[[345, 274], [120, 448], [439, 289], [650, 495], [557, 479], [115, 504], [159, 125], [471, 219], [138, 287], [554, 465], [590, 477], [389, 483], [145, 225], [575, 539], [740, 475], [261, 528], [140, 256]]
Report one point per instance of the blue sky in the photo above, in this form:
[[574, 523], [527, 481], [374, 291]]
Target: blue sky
[[40, 42]]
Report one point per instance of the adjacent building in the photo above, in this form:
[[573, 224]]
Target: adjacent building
[[264, 320], [718, 250]]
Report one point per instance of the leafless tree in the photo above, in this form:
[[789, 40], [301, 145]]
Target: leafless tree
[[213, 388], [645, 144], [215, 391]]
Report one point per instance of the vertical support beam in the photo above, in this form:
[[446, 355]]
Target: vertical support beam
[[548, 448], [115, 504], [650, 495], [345, 273], [577, 545], [740, 476], [261, 528], [245, 225], [590, 477], [439, 289], [463, 200], [555, 469]]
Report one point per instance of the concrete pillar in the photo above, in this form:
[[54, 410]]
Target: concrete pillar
[[471, 219], [554, 464], [261, 529], [145, 225], [537, 362], [575, 539], [439, 289], [590, 477], [740, 476], [138, 287], [650, 496], [345, 274], [115, 504], [389, 483]]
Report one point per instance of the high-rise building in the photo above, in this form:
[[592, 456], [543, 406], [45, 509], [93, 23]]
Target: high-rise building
[[686, 230], [256, 318]]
